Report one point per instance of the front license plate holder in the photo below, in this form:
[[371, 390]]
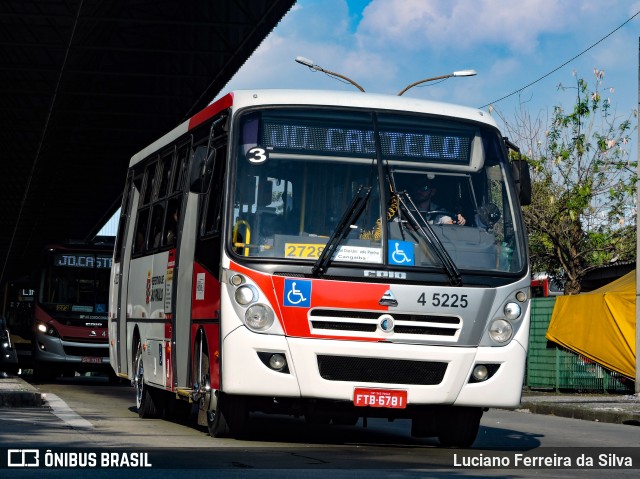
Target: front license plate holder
[[386, 398], [90, 360]]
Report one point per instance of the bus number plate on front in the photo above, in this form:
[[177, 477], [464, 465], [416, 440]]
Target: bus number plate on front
[[389, 398], [91, 360], [300, 250]]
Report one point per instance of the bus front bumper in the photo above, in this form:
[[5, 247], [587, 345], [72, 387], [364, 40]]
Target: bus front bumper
[[245, 373], [50, 349]]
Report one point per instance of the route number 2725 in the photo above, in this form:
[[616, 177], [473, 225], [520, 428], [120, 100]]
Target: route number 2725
[[444, 300]]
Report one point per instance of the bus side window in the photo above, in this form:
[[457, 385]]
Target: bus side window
[[149, 183], [215, 193], [171, 222], [125, 212], [180, 170], [166, 175], [141, 231], [155, 234]]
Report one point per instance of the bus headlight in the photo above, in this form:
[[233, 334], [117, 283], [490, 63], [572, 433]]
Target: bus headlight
[[500, 331], [512, 311], [258, 317], [48, 330], [246, 294]]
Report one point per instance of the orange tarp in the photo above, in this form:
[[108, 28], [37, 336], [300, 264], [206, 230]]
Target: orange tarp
[[600, 325]]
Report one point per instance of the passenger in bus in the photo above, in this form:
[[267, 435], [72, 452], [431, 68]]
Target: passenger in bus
[[157, 236], [424, 201], [139, 243], [173, 226]]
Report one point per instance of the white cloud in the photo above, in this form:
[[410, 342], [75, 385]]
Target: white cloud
[[401, 41], [318, 30], [464, 24]]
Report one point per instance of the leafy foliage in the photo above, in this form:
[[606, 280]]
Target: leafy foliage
[[583, 210]]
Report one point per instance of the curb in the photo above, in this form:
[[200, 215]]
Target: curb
[[584, 413], [16, 392]]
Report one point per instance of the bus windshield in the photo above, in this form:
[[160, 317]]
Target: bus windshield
[[297, 171], [76, 282]]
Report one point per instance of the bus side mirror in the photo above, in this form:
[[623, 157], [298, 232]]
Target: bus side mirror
[[520, 172], [522, 179], [201, 169]]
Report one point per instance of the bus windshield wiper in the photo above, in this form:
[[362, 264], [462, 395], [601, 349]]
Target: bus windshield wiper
[[349, 218], [426, 231]]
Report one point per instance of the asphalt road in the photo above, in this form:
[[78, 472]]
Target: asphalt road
[[87, 414]]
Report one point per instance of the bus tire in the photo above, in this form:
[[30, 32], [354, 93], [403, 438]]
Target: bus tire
[[317, 419], [44, 372], [345, 420], [459, 427], [217, 422], [177, 409], [207, 404], [230, 418], [146, 402]]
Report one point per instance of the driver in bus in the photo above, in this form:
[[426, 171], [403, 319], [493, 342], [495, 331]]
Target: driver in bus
[[424, 201]]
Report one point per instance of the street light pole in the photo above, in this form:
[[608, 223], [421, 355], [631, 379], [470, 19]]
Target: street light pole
[[637, 386], [461, 73], [308, 63]]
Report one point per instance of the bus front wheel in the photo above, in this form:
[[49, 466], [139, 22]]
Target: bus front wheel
[[459, 427], [216, 421], [225, 415], [230, 416], [145, 399], [44, 372]]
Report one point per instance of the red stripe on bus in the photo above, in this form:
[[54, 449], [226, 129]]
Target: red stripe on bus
[[213, 109]]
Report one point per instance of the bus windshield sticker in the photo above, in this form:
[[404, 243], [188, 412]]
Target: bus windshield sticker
[[297, 293], [200, 286], [81, 308], [356, 254], [359, 254], [257, 155], [401, 253]]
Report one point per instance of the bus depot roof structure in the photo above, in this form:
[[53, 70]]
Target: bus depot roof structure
[[85, 84]]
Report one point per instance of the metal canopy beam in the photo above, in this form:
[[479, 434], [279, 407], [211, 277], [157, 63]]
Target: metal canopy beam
[[85, 84]]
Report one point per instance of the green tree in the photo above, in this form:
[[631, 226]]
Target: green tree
[[583, 210]]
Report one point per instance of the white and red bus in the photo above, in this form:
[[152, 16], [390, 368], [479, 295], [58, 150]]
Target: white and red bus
[[69, 314], [274, 255]]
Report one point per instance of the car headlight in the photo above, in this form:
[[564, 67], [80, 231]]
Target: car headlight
[[512, 311], [500, 330], [258, 317]]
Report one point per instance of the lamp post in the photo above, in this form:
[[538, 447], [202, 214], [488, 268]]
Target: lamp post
[[308, 63], [461, 73]]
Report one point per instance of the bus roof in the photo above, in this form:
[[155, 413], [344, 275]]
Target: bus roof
[[244, 98]]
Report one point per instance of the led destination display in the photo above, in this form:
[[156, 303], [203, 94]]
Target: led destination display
[[71, 260], [320, 139]]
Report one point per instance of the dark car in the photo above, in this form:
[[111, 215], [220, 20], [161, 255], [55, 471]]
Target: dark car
[[8, 355]]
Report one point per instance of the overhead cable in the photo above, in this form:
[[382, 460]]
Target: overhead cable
[[564, 64]]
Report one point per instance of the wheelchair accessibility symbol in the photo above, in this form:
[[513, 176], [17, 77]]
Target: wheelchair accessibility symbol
[[297, 292], [401, 253]]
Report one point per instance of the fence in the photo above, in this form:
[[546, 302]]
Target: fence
[[549, 366]]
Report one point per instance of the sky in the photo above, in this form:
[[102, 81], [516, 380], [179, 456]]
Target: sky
[[385, 45]]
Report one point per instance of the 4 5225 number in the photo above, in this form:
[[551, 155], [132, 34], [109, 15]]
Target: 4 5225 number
[[444, 300]]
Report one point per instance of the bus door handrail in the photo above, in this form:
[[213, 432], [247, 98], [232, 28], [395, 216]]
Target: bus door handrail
[[247, 234]]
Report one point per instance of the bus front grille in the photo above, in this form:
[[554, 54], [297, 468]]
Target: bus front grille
[[86, 351], [341, 322], [377, 370]]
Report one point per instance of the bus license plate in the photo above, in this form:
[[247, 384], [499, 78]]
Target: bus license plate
[[91, 360], [389, 398]]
